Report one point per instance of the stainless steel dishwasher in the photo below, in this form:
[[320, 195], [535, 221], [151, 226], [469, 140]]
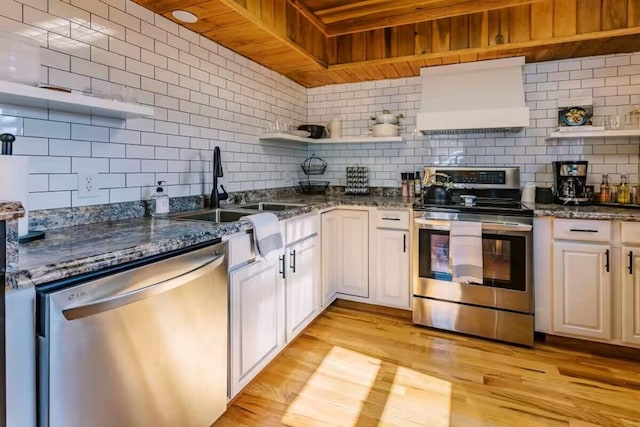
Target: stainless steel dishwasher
[[146, 345]]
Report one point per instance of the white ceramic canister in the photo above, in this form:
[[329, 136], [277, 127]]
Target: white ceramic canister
[[529, 193], [334, 127]]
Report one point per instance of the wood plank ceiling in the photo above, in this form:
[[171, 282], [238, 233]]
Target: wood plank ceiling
[[320, 42]]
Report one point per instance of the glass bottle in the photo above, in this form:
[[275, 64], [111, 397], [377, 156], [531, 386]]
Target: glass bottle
[[624, 195], [605, 190], [417, 185]]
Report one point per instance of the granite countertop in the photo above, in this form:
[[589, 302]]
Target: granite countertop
[[71, 251], [588, 212], [11, 210]]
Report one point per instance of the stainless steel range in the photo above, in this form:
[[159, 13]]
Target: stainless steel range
[[502, 306]]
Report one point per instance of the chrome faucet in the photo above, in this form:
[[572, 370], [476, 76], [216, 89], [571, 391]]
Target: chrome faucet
[[216, 197]]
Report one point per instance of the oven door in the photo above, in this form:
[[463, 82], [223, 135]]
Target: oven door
[[506, 259]]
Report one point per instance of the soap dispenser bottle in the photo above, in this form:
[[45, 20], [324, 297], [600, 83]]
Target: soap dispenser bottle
[[160, 202]]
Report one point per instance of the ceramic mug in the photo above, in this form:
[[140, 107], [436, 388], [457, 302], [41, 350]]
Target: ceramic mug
[[334, 127]]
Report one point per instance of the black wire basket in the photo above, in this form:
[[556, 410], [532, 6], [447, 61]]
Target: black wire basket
[[314, 165], [313, 187]]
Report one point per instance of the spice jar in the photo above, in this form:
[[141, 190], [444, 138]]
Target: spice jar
[[624, 193], [605, 190]]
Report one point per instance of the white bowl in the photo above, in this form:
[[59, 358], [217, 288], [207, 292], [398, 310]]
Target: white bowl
[[385, 129]]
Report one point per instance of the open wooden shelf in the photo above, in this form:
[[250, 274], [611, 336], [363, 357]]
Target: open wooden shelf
[[31, 96], [284, 137], [594, 134]]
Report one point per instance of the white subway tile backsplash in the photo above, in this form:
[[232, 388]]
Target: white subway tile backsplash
[[45, 21], [154, 32], [140, 12], [89, 165], [120, 17], [61, 182], [205, 96], [41, 164], [141, 68], [67, 11], [123, 48], [105, 57], [124, 136], [140, 179], [124, 165], [87, 68], [69, 46], [65, 147], [102, 197], [46, 129], [118, 195], [124, 77], [49, 200], [139, 40]]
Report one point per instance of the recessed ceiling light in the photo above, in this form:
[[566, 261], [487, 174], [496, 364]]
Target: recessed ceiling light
[[185, 16]]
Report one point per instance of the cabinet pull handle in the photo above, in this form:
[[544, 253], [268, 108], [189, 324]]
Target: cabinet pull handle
[[580, 230], [293, 261], [606, 260], [630, 262], [390, 219], [404, 243], [282, 268]]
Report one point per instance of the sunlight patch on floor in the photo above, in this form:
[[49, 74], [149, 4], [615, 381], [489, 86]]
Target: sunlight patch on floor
[[412, 389], [361, 390]]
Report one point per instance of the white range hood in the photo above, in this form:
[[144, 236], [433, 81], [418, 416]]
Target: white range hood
[[484, 96]]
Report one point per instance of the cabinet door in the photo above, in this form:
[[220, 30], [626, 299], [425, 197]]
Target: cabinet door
[[353, 237], [582, 289], [256, 320], [392, 268], [330, 256], [631, 295], [302, 285]]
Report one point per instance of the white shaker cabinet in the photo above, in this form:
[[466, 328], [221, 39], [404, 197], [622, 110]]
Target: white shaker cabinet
[[302, 285], [345, 253], [353, 253], [391, 270], [256, 319], [329, 257], [582, 289], [631, 295]]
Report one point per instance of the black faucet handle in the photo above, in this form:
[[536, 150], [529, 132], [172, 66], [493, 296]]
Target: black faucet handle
[[224, 195]]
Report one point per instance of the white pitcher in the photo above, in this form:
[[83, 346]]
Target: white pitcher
[[334, 127]]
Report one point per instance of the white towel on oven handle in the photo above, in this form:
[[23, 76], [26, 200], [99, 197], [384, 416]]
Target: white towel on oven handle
[[465, 251]]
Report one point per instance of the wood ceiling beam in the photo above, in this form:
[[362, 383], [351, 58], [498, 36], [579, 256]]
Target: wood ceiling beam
[[356, 18], [232, 4], [495, 50], [300, 7]]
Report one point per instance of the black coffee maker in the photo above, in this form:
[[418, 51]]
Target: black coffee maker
[[571, 182]]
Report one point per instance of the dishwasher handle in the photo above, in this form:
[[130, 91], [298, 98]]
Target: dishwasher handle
[[115, 301]]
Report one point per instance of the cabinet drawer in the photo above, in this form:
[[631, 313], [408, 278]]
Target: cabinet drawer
[[387, 218], [582, 229], [301, 228], [241, 248], [630, 233]]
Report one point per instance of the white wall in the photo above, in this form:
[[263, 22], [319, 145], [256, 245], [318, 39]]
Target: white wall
[[204, 95], [613, 82]]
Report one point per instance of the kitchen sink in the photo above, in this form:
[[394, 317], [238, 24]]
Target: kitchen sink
[[215, 215], [272, 206]]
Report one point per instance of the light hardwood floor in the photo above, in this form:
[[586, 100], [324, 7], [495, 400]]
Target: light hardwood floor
[[352, 368]]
